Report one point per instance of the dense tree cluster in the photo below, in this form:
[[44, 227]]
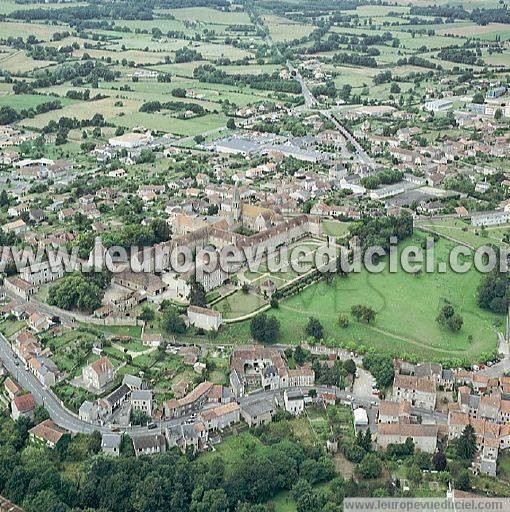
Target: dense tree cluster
[[378, 231], [264, 328], [365, 313], [382, 178], [79, 291], [186, 54], [78, 73], [9, 115], [493, 293], [75, 15], [174, 106], [381, 367], [265, 81], [457, 12], [449, 319], [461, 56]]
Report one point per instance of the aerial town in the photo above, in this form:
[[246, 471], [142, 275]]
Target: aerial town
[[254, 255]]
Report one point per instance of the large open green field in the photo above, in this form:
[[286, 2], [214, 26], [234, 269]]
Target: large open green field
[[406, 306], [465, 233]]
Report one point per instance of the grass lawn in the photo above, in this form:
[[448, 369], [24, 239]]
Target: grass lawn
[[239, 304], [504, 466], [336, 228], [283, 502], [399, 328], [464, 232], [10, 327]]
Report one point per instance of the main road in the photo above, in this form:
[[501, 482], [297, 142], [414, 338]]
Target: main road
[[71, 422], [311, 101]]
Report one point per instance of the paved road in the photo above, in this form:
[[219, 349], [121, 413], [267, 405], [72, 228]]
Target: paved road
[[504, 365], [361, 153], [68, 420], [310, 100]]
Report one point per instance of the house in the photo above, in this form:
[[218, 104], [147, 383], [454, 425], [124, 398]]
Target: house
[[259, 412], [152, 339], [38, 323], [420, 392], [294, 401], [98, 374], [490, 218], [20, 287], [17, 227], [110, 444], [221, 417], [88, 412], [47, 434], [134, 383], [191, 402], [424, 436], [149, 444], [265, 367], [41, 272], [204, 318], [44, 369], [12, 388], [180, 388], [141, 400], [26, 346], [393, 412], [187, 437], [23, 405]]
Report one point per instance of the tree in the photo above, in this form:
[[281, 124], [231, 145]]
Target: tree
[[370, 467], [314, 328], [40, 414], [394, 89], [231, 124], [479, 98], [466, 444], [172, 322], [381, 367], [147, 156], [414, 474], [343, 321], [463, 482], [365, 313], [213, 500], [197, 294], [350, 367], [4, 199], [264, 328], [498, 114], [147, 314], [300, 355], [493, 292], [439, 461], [449, 319]]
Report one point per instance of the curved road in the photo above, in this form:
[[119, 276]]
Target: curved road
[[70, 421]]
